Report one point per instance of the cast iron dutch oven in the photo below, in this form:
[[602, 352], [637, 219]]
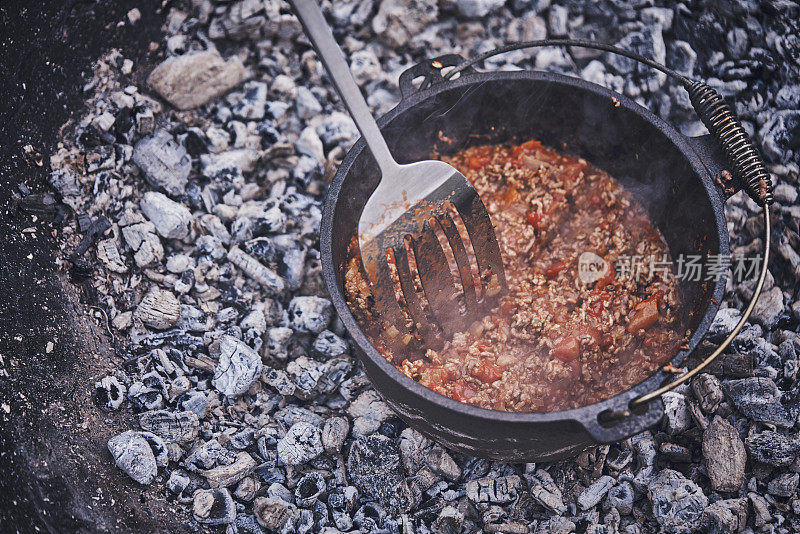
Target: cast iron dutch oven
[[671, 174]]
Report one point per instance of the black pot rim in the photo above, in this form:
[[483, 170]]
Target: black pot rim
[[682, 142]]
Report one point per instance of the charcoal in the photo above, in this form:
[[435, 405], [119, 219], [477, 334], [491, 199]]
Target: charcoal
[[269, 279], [334, 432], [170, 218], [172, 427], [214, 507], [301, 444], [292, 414], [95, 229], [191, 80], [145, 396], [368, 412], [247, 524], [67, 185], [676, 415], [724, 323], [163, 161], [773, 448], [595, 493], [109, 393], [250, 102], [441, 463], [449, 521], [159, 309], [309, 144], [278, 379], [369, 517], [267, 473], [292, 263], [309, 489], [338, 128], [228, 165], [108, 253], [307, 104], [783, 485], [546, 492], [238, 368], [557, 525], [207, 455], [723, 516], [708, 391], [678, 503], [142, 239], [620, 498], [279, 491], [724, 455], [247, 488], [228, 475], [413, 447], [178, 481], [374, 467], [769, 308], [328, 345], [310, 314], [306, 375], [778, 135], [675, 452], [276, 515], [493, 490], [132, 454], [760, 508], [262, 249], [759, 399], [101, 158], [397, 22]]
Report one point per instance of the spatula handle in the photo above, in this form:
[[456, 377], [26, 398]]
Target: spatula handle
[[320, 35]]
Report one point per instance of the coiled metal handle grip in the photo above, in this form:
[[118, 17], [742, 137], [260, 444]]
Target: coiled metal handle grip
[[720, 120]]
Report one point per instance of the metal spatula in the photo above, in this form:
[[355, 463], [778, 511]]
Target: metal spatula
[[410, 218]]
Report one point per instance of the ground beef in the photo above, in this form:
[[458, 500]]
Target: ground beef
[[557, 340]]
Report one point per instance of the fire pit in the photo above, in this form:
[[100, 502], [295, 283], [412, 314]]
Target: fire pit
[[180, 363]]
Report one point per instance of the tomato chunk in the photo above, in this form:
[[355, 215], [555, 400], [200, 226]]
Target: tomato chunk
[[478, 162], [462, 392], [567, 349], [556, 268], [433, 377], [511, 195], [645, 315], [572, 171], [488, 372], [508, 307], [531, 145], [537, 219]]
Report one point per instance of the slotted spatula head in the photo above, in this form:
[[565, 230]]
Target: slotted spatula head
[[420, 220], [420, 205]]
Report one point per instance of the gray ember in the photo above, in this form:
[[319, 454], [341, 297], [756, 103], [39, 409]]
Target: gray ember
[[199, 194]]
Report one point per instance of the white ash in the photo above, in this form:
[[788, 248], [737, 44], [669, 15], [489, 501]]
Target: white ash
[[132, 454], [192, 79], [239, 367], [170, 218], [164, 162]]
